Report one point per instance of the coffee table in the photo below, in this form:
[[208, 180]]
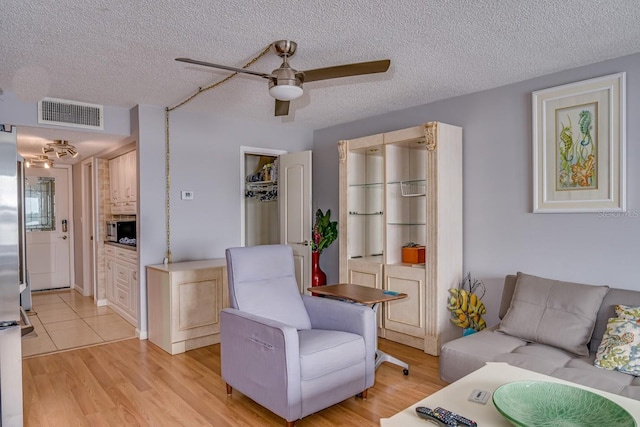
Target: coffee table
[[454, 397], [368, 296]]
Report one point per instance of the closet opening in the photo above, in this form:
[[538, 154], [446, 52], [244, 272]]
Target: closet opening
[[260, 213]]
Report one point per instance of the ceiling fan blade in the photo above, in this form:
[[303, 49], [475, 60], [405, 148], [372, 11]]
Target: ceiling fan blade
[[282, 108], [224, 67], [347, 70]]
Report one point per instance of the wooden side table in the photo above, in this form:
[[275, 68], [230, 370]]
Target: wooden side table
[[368, 296]]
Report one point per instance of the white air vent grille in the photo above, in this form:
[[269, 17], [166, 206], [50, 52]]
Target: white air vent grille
[[70, 113]]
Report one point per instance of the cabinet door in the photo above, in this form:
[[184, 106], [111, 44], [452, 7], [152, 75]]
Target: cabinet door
[[115, 185], [110, 278], [122, 288], [127, 184], [361, 202], [366, 274], [133, 291], [132, 177], [196, 302], [405, 315]]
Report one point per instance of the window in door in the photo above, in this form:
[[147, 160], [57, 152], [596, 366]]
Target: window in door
[[40, 204]]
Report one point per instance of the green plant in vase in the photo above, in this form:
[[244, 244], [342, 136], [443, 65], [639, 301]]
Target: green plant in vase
[[324, 233]]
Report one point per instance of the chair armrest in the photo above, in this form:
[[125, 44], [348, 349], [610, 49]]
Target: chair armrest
[[260, 358], [327, 313]]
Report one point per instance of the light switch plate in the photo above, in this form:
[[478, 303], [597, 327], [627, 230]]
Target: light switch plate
[[479, 396], [186, 195]]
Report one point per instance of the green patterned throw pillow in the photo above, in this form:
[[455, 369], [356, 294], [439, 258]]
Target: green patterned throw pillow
[[627, 312], [620, 346]]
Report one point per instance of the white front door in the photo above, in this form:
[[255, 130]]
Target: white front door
[[48, 227], [294, 195]]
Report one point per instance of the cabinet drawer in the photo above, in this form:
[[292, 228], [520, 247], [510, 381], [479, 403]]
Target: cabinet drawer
[[122, 274], [122, 298], [127, 255], [109, 250]]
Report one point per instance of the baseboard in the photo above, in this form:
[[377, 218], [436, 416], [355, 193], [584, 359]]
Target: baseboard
[[143, 335], [102, 302]]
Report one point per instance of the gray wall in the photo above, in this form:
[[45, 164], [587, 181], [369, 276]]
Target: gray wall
[[205, 158], [501, 235]]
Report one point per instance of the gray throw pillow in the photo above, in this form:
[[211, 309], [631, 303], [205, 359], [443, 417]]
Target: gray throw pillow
[[555, 313]]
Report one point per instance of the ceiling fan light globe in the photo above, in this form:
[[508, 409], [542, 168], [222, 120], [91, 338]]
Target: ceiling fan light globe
[[285, 92]]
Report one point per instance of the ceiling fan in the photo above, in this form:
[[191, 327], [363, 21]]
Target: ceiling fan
[[285, 83]]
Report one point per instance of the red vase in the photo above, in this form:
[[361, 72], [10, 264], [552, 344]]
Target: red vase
[[318, 278]]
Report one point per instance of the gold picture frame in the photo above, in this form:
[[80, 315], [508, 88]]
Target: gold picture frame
[[579, 141]]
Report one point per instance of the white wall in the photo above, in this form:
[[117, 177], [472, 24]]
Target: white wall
[[205, 159], [501, 234]]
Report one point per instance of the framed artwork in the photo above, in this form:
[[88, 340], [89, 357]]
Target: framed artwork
[[579, 147]]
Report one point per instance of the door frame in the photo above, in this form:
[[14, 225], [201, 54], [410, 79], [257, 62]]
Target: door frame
[[244, 150], [88, 218]]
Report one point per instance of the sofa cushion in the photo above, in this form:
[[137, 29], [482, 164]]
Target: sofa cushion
[[560, 314], [464, 355], [536, 357], [607, 310], [627, 312], [590, 376], [620, 345]]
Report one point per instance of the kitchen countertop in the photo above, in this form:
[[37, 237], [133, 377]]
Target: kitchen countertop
[[120, 245]]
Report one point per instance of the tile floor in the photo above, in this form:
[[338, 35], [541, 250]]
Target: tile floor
[[65, 319]]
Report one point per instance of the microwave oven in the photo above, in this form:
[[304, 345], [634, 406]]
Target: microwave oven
[[122, 232]]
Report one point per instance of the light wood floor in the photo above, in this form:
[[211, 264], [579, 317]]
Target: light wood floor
[[135, 383]]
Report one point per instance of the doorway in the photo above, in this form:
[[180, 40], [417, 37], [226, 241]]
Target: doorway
[[48, 219], [259, 210], [276, 204]]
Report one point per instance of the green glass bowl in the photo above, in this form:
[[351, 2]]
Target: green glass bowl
[[541, 404]]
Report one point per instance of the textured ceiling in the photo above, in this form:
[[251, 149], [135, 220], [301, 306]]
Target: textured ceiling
[[121, 52]]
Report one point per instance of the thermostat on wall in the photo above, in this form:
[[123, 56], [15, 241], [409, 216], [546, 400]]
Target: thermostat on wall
[[186, 195]]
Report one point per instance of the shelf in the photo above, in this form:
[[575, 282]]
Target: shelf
[[407, 181], [364, 213], [406, 264], [261, 185], [376, 258], [265, 191], [367, 185]]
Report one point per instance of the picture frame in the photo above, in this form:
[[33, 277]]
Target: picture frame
[[579, 143]]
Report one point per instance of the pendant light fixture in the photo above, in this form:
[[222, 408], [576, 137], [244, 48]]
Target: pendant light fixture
[[61, 148], [42, 161]]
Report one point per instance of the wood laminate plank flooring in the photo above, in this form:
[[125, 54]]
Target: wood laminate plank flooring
[[135, 383]]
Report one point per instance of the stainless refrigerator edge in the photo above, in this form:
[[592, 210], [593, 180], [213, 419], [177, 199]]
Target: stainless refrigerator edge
[[10, 264]]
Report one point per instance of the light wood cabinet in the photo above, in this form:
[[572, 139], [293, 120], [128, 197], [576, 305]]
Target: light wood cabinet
[[397, 188], [185, 300], [122, 281], [123, 183]]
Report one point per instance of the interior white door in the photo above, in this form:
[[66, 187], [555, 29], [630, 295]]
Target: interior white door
[[48, 227], [294, 196]]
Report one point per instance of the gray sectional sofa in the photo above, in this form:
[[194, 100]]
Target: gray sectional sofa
[[555, 343]]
